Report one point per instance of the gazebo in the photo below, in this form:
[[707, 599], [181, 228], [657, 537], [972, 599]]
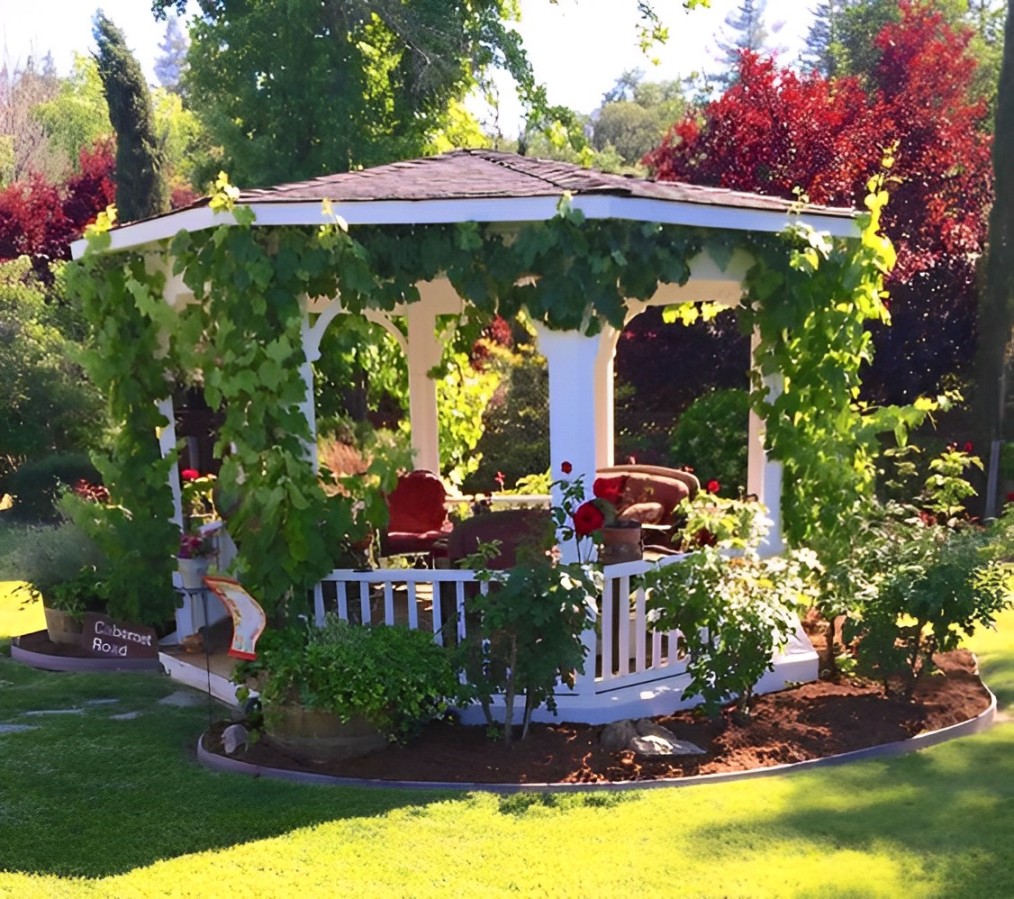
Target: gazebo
[[495, 197]]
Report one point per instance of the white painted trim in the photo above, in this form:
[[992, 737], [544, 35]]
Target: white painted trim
[[480, 209]]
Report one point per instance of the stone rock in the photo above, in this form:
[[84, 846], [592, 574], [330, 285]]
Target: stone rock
[[617, 736], [656, 746], [234, 737]]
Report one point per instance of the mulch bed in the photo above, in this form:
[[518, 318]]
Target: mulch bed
[[807, 722]]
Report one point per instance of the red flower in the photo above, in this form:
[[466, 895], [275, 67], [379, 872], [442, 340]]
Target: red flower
[[588, 518], [609, 489], [704, 537], [190, 474], [1010, 497], [968, 446], [713, 486], [566, 468]]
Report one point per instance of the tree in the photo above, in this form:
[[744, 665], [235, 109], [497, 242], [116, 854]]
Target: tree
[[775, 130], [46, 404], [744, 30], [140, 189], [996, 311], [39, 218], [338, 85], [77, 117], [824, 49], [635, 115], [169, 67], [24, 147]]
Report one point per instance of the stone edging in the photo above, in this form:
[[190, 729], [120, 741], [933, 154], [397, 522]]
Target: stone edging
[[981, 722], [47, 662]]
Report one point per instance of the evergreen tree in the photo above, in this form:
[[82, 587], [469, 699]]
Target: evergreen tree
[[744, 29], [140, 188], [823, 52], [169, 66]]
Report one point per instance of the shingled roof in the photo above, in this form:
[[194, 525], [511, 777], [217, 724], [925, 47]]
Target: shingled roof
[[489, 186], [488, 174]]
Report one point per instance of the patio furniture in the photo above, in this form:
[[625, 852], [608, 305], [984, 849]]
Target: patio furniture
[[517, 531], [651, 494], [417, 517]]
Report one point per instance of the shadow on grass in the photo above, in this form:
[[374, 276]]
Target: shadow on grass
[[92, 795]]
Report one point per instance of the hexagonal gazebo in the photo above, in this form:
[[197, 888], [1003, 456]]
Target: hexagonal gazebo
[[505, 192]]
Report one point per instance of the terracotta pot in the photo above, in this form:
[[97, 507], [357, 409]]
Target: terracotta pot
[[319, 736], [63, 627], [192, 572], [620, 544]]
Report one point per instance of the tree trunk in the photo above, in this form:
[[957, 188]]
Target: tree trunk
[[996, 307]]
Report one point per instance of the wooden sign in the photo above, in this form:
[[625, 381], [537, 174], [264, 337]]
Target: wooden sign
[[105, 638]]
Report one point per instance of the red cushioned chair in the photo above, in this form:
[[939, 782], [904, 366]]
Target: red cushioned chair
[[417, 517]]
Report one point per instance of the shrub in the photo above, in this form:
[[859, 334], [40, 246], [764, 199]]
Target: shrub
[[711, 437], [395, 678], [35, 485], [731, 613], [919, 588]]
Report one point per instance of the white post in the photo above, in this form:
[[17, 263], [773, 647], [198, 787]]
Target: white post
[[166, 444], [574, 420], [605, 438], [424, 352], [764, 475]]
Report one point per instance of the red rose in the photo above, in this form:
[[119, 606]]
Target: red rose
[[713, 486], [968, 446], [704, 537], [1010, 497], [190, 474], [588, 518], [566, 468], [609, 489]]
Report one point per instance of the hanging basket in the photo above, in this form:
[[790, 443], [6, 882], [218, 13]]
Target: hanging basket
[[621, 544], [192, 572]]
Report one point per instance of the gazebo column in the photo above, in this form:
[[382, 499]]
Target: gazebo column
[[311, 335], [424, 352], [575, 421], [764, 475], [605, 436], [166, 445]]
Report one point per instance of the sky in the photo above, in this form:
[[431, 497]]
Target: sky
[[578, 48]]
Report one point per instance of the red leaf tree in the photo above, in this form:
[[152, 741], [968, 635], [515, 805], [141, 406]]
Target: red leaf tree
[[775, 130], [40, 219]]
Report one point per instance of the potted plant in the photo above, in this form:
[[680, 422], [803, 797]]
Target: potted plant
[[343, 690], [200, 520], [66, 602]]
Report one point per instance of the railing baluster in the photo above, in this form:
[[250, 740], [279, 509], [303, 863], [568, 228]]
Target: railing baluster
[[640, 629], [318, 604], [413, 607], [343, 600], [364, 603], [388, 603]]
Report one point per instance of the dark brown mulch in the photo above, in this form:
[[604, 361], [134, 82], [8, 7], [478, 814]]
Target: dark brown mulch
[[807, 722]]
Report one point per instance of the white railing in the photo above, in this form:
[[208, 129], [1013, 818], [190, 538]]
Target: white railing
[[436, 600]]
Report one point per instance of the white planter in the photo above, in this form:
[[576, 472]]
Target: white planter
[[192, 572]]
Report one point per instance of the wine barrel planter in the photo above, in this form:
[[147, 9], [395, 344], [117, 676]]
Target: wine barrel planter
[[63, 627], [319, 736], [621, 543]]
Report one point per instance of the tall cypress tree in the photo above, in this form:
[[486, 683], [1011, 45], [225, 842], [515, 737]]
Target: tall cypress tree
[[140, 188]]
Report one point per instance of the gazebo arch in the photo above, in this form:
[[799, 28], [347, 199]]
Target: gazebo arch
[[499, 197]]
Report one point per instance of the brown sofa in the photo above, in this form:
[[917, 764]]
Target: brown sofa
[[651, 493]]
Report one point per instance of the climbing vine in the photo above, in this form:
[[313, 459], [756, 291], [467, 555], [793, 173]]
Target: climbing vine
[[810, 300], [241, 339]]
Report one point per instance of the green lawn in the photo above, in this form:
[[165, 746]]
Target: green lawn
[[108, 801]]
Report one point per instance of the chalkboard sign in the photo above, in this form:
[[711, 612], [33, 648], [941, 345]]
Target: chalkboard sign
[[110, 639]]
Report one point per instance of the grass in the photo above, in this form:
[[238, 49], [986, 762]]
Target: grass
[[108, 801]]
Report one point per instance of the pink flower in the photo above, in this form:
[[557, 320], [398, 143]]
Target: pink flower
[[713, 486], [500, 479], [566, 468], [190, 474], [588, 518]]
